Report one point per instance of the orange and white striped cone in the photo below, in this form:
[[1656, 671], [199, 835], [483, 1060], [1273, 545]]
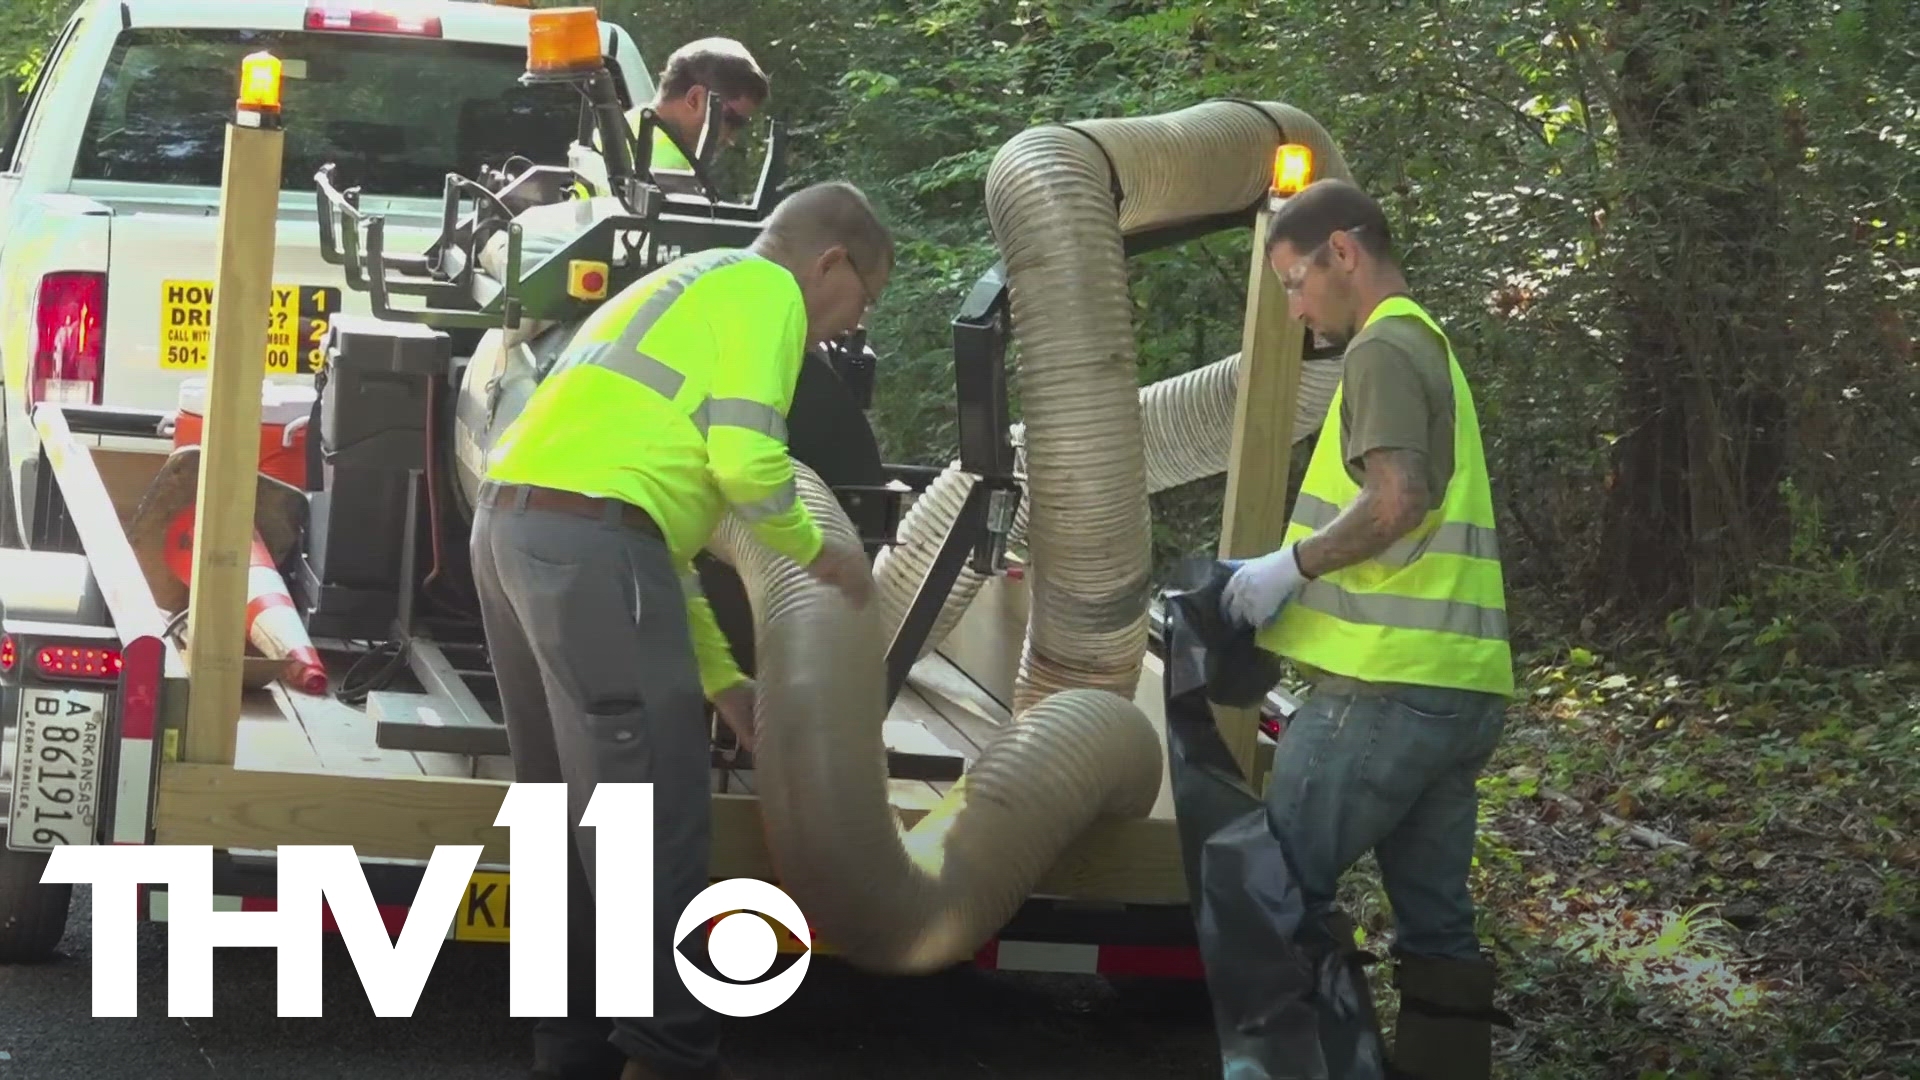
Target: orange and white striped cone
[[273, 623]]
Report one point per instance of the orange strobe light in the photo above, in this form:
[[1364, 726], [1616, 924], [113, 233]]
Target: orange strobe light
[[260, 83], [1292, 168], [563, 41]]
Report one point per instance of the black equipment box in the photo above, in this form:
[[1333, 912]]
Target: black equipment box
[[373, 404]]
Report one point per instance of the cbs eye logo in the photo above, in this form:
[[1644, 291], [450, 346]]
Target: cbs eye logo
[[742, 947]]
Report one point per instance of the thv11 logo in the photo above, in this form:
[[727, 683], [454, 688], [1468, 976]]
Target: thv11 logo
[[742, 946]]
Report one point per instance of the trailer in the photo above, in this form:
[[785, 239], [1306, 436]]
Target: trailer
[[406, 750]]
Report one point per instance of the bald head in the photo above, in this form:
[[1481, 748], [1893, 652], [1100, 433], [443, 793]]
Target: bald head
[[830, 238], [816, 218]]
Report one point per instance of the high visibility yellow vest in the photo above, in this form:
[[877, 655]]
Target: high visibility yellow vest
[[673, 396], [666, 155], [1431, 609]]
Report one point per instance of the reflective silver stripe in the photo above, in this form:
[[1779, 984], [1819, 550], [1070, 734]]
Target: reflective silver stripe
[[1313, 511], [1404, 613], [752, 415], [578, 355], [1451, 538], [650, 373], [690, 583], [621, 353], [656, 305], [777, 503]]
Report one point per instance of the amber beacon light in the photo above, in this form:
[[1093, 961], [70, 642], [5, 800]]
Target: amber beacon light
[[1292, 168], [260, 85], [563, 41]]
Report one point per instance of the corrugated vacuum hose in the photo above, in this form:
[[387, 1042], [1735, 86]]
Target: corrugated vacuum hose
[[916, 901], [1079, 750]]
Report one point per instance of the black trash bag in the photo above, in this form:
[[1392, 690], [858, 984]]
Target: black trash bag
[[1290, 996]]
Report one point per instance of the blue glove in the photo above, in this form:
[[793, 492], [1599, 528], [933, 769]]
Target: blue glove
[[1261, 587]]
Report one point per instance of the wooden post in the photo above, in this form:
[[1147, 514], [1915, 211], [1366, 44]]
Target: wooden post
[[1254, 517], [230, 436]]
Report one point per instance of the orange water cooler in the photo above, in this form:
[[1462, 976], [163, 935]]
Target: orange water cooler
[[284, 411]]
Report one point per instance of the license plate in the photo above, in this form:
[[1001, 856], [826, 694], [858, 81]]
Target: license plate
[[483, 916], [295, 328], [56, 768]]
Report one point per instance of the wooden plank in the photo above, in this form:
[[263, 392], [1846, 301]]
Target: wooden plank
[[1254, 516], [381, 816], [987, 640], [405, 818], [913, 704], [343, 736], [1150, 696], [972, 712], [271, 737], [126, 475], [230, 438]]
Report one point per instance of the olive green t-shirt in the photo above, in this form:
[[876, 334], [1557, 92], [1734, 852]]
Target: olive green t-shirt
[[1398, 394]]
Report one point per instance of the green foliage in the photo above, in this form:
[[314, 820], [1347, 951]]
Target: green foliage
[[1748, 257], [1677, 246], [1676, 872], [27, 30]]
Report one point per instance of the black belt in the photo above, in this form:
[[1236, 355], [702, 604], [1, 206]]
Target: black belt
[[533, 497]]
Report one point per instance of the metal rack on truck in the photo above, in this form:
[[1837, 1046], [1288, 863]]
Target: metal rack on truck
[[406, 750]]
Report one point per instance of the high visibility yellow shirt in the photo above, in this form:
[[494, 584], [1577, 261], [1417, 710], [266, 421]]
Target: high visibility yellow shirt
[[673, 397], [1430, 609]]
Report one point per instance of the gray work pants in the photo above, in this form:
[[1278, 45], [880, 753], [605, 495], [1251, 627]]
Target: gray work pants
[[587, 626]]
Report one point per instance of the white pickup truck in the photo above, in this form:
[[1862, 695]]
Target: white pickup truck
[[110, 180]]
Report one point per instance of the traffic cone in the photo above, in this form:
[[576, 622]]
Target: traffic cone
[[161, 535], [273, 623]]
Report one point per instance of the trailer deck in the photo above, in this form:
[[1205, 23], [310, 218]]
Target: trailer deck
[[309, 769]]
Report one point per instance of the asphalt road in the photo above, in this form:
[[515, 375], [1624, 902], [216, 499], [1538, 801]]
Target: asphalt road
[[842, 1024]]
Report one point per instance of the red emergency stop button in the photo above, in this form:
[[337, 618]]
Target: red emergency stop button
[[586, 279]]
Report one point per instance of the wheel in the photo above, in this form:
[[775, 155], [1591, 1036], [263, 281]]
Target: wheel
[[33, 917]]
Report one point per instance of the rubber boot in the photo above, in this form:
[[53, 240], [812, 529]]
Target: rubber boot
[[1350, 1039], [1445, 1030]]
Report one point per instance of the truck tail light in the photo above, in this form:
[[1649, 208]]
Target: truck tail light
[[372, 20], [70, 347], [77, 662], [92, 661]]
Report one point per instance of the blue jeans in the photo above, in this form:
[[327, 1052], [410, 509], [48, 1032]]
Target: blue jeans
[[1389, 770]]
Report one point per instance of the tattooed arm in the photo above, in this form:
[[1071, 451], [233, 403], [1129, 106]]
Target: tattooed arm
[[1391, 503]]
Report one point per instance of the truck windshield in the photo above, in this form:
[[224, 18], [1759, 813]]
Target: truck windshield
[[396, 114]]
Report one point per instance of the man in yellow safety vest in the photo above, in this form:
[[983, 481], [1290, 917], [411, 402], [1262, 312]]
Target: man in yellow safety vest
[[666, 411], [714, 66], [1387, 593]]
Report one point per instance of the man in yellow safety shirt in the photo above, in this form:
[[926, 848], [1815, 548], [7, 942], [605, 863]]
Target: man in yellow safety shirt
[[714, 66], [1387, 593], [666, 411]]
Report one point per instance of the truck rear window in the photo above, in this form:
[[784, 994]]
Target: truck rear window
[[396, 114]]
